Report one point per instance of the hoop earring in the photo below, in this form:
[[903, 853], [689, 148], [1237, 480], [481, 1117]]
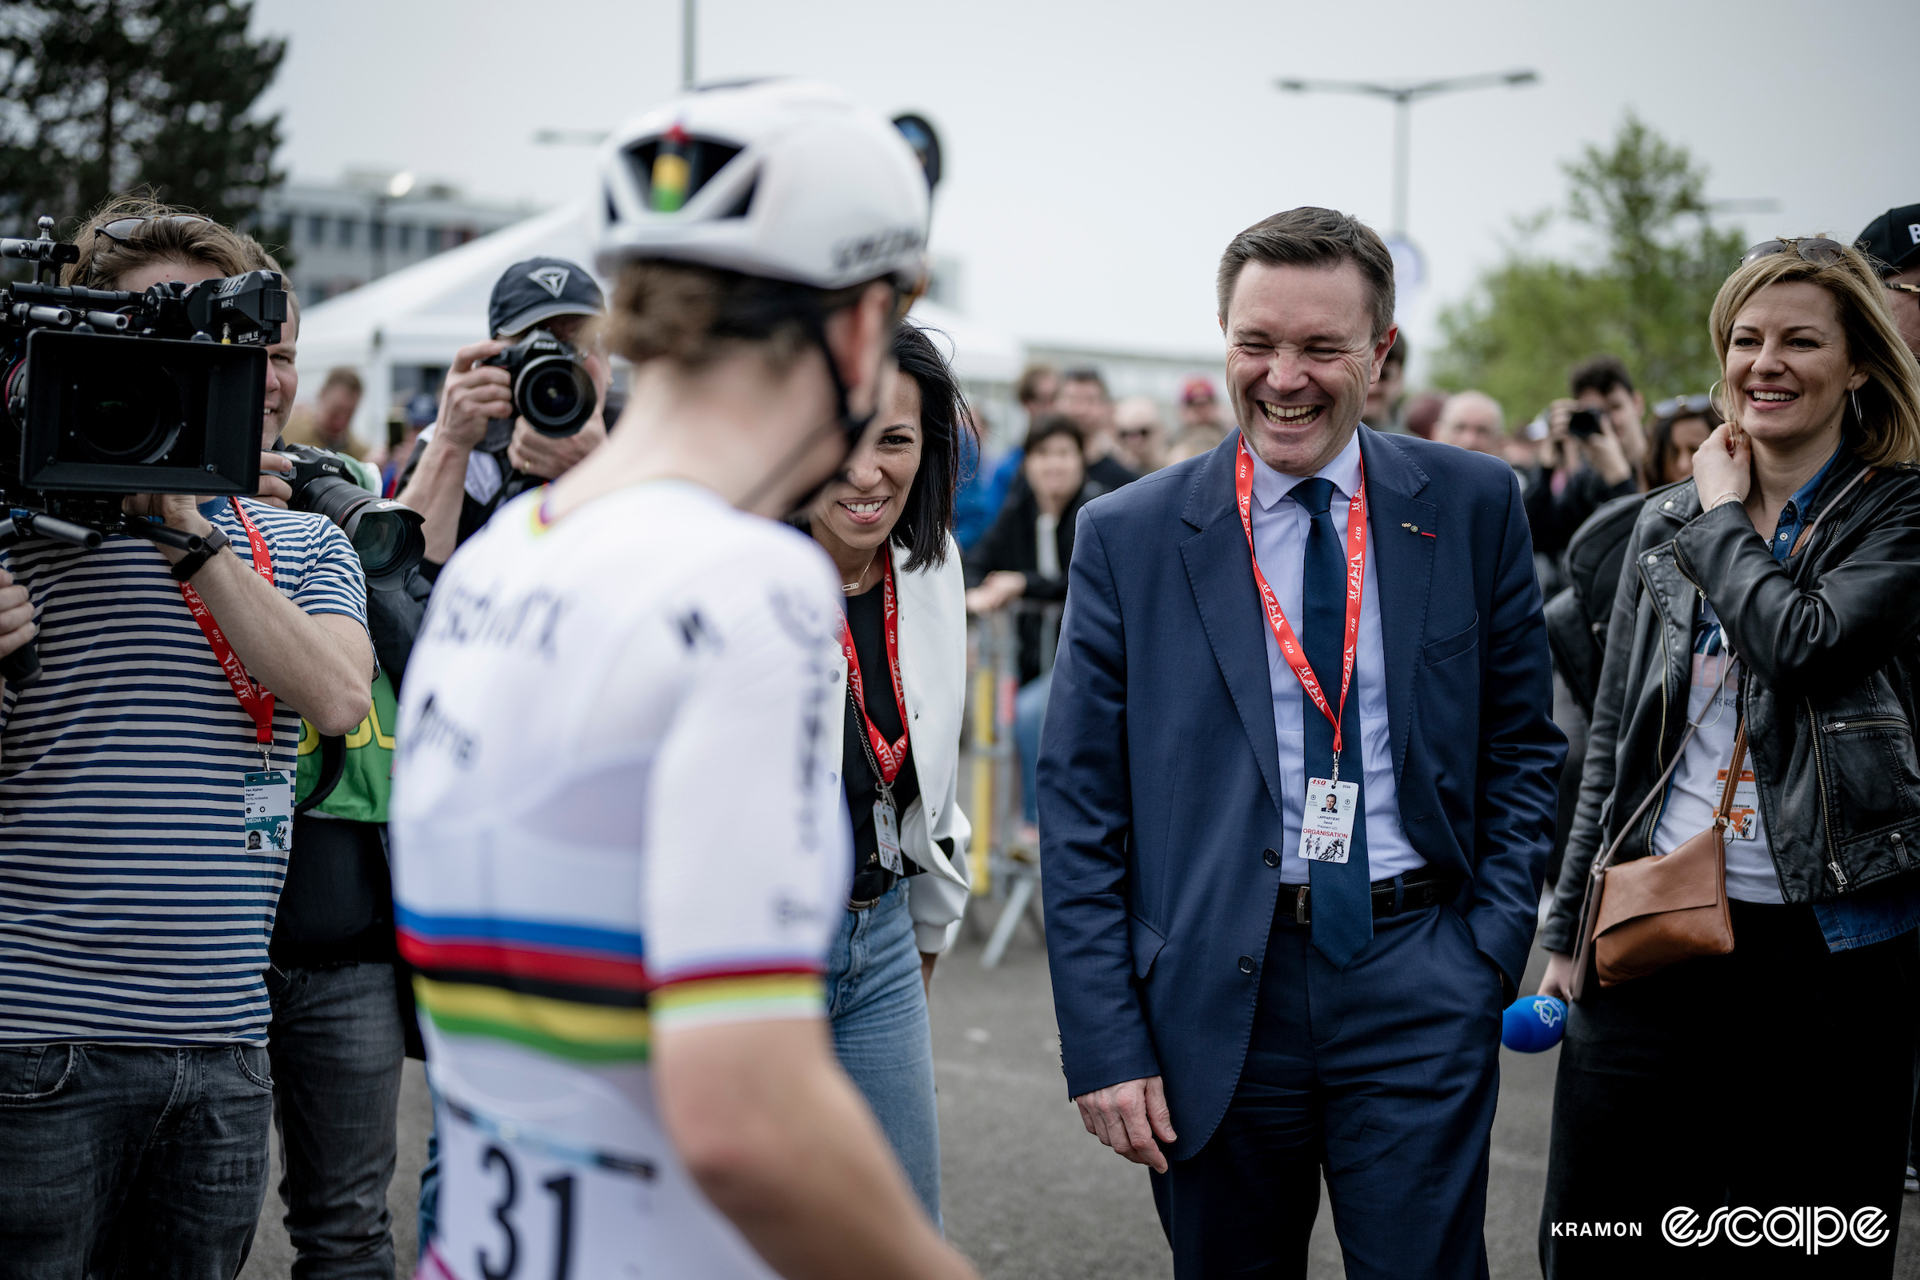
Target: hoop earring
[[1726, 415], [1858, 421]]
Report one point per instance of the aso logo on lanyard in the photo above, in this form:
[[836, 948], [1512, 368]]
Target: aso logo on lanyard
[[886, 758], [1326, 830]]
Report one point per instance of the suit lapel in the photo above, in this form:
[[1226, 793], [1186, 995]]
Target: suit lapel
[[1399, 525], [1220, 571]]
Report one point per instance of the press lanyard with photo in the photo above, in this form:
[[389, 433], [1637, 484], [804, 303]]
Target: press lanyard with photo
[[1326, 823], [886, 759], [267, 795]]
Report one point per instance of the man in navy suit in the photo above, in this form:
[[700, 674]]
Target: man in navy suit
[[1311, 609]]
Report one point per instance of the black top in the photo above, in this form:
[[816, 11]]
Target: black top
[[866, 619], [1013, 542], [1110, 473]]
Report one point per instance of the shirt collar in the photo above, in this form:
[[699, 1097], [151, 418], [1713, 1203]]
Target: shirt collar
[[1805, 493], [1269, 486]]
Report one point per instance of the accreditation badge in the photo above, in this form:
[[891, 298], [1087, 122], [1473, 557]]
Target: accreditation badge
[[1326, 828], [886, 834], [268, 796]]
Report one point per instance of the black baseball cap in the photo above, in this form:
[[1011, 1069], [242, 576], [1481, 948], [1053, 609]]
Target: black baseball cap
[[1894, 238], [539, 289]]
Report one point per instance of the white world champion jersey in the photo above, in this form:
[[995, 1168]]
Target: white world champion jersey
[[610, 816]]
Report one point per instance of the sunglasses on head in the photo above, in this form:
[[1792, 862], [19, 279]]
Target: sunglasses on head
[[1683, 406], [121, 230], [1818, 250]]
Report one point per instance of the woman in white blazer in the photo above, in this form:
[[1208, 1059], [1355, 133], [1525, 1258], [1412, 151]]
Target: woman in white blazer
[[895, 745]]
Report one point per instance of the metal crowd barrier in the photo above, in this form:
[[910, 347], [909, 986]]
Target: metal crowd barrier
[[1004, 868]]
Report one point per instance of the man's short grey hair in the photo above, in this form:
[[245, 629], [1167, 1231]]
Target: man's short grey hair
[[1312, 237], [1462, 399]]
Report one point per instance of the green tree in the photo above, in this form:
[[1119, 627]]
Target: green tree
[[105, 96], [1642, 293]]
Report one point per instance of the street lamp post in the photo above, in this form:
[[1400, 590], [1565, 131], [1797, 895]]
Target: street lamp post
[[1404, 94]]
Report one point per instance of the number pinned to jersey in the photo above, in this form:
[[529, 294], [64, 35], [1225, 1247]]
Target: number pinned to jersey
[[268, 797], [1326, 828], [886, 834]]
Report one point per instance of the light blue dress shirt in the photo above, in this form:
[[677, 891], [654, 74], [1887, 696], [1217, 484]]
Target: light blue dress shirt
[[1280, 541]]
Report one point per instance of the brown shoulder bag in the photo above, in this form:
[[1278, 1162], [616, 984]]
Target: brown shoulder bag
[[1644, 915]]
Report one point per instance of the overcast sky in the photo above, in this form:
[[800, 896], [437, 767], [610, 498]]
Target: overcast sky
[[1100, 155]]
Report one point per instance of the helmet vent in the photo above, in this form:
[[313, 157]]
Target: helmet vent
[[744, 204], [670, 171]]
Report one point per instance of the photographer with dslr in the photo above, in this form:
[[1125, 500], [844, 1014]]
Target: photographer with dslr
[[517, 409], [144, 806], [1594, 448]]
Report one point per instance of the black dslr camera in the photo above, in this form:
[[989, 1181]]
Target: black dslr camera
[[108, 393], [386, 535], [551, 389]]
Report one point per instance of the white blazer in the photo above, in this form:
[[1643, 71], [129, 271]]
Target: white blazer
[[933, 666]]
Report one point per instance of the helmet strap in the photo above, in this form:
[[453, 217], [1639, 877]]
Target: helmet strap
[[851, 428]]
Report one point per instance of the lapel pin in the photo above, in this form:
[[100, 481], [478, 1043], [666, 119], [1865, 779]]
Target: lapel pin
[[1414, 528]]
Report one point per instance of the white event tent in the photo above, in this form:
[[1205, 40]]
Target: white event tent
[[423, 314]]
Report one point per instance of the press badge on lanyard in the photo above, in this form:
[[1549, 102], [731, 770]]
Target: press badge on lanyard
[[886, 759], [266, 795], [1326, 824]]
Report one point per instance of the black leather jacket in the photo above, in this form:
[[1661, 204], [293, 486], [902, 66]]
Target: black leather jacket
[[1829, 654]]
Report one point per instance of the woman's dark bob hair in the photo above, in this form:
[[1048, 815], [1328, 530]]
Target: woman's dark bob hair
[[926, 518], [1051, 425]]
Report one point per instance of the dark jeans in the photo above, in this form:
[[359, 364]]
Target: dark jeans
[[1779, 1075], [337, 1050], [131, 1162], [1384, 1074]]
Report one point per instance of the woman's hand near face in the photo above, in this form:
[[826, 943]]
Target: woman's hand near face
[[1723, 467]]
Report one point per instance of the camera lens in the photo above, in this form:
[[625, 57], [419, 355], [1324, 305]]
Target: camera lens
[[554, 395], [130, 414], [379, 537]]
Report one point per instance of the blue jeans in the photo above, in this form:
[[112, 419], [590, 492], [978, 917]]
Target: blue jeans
[[1029, 718], [337, 1050], [879, 1013], [131, 1161]]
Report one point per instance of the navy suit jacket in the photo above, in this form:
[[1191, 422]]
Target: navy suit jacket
[[1159, 782]]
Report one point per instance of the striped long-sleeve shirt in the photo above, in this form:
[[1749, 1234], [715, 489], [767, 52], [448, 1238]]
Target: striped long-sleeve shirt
[[130, 910]]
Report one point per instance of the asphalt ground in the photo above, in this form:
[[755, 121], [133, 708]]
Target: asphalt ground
[[1029, 1194]]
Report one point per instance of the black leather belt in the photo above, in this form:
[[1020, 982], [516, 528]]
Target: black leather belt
[[1391, 897]]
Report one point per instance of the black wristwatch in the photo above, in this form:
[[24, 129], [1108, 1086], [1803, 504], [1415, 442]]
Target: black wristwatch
[[189, 564]]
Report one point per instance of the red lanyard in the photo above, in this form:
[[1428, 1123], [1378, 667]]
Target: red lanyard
[[892, 756], [1356, 574], [255, 700]]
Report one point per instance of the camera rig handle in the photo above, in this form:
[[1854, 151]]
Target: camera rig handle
[[49, 254], [22, 667]]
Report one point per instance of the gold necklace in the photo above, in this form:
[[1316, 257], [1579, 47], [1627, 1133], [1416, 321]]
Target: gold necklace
[[853, 588]]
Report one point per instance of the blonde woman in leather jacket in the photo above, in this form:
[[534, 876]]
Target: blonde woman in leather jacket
[[1782, 583]]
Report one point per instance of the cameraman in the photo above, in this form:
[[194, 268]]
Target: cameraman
[[134, 916], [1578, 472], [478, 455]]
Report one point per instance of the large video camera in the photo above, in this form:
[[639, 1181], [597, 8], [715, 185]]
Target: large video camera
[[108, 393]]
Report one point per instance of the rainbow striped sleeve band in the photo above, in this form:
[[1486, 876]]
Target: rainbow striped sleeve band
[[708, 999]]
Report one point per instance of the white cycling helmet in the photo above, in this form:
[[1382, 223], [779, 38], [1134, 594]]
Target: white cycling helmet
[[786, 179]]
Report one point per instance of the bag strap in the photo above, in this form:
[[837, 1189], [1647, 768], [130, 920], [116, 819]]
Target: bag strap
[[1723, 814]]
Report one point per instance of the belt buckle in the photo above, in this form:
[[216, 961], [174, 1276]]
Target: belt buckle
[[1300, 904]]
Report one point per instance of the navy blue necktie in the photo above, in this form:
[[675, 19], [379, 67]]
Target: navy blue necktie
[[1340, 898]]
